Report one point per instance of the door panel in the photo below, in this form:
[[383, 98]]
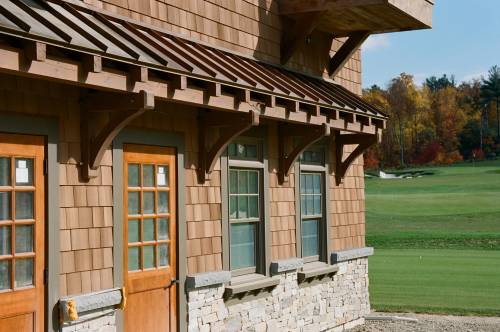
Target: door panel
[[150, 238], [22, 221]]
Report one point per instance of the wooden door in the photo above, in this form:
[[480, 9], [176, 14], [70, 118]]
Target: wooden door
[[22, 221], [150, 238]]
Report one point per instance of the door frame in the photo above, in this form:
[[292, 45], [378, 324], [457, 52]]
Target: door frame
[[48, 127], [158, 138]]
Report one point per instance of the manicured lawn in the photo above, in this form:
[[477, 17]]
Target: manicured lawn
[[436, 281], [437, 241]]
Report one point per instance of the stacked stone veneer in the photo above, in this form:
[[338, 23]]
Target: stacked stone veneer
[[104, 321], [332, 304]]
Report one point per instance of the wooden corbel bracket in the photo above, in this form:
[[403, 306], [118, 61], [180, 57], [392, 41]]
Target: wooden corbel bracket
[[231, 126], [306, 135], [339, 141], [123, 109]]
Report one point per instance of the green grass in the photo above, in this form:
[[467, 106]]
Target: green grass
[[436, 281], [437, 240]]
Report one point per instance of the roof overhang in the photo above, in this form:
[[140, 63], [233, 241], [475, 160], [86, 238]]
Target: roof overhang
[[343, 17]]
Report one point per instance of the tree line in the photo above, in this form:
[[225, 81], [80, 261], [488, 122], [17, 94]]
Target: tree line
[[440, 122]]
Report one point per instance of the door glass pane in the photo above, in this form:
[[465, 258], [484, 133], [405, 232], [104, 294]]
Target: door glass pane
[[5, 274], [148, 176], [310, 243], [134, 262], [149, 256], [163, 255], [149, 230], [242, 207], [133, 175], [5, 240], [242, 182], [133, 202], [162, 176], [163, 230], [24, 205], [253, 182], [24, 238], [134, 232], [5, 206], [4, 171], [148, 202], [24, 272], [242, 245], [233, 207], [253, 206], [163, 202], [24, 172]]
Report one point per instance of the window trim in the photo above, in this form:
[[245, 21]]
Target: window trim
[[256, 135], [324, 227]]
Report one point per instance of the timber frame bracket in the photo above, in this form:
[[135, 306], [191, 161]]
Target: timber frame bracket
[[123, 109], [230, 126], [306, 137], [339, 141]]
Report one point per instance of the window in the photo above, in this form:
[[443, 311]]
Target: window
[[312, 205], [245, 206]]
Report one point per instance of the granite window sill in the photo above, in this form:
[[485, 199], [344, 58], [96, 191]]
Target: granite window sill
[[316, 270], [249, 283]]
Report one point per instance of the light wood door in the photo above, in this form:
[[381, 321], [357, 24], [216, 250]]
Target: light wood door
[[22, 221], [150, 238]]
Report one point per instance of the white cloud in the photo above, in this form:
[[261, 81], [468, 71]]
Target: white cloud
[[471, 77], [376, 42]]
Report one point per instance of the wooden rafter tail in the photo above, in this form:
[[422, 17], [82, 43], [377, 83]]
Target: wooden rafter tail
[[307, 137], [346, 51], [125, 109], [231, 126], [339, 141]]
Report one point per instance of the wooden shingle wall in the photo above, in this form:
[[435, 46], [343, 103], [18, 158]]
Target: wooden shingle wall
[[249, 27]]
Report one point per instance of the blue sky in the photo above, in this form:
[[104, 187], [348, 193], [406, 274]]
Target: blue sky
[[465, 42]]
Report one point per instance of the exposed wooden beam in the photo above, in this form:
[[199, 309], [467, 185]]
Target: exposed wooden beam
[[346, 51], [306, 137], [292, 7], [296, 36], [94, 146], [35, 51], [92, 63], [230, 126]]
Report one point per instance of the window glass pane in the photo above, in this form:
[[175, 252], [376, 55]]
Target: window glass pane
[[242, 207], [133, 175], [148, 200], [231, 150], [310, 243], [302, 184], [162, 176], [5, 240], [149, 230], [163, 255], [24, 272], [309, 184], [24, 238], [233, 207], [24, 205], [134, 232], [303, 205], [241, 150], [233, 181], [149, 256], [316, 183], [253, 206], [133, 202], [24, 172], [242, 245], [148, 176], [251, 151], [242, 182], [134, 263], [163, 202], [5, 206], [5, 274], [309, 205], [5, 172], [317, 204], [253, 182], [163, 229]]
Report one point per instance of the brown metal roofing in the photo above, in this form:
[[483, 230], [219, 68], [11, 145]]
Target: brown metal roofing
[[77, 27]]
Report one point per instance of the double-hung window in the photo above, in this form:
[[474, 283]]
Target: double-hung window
[[312, 205], [245, 206]]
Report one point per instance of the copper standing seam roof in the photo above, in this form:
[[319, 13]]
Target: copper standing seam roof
[[76, 27]]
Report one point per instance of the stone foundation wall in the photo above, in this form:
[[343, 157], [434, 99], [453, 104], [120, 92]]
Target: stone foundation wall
[[331, 304], [101, 321]]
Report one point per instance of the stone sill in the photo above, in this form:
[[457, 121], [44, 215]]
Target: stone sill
[[347, 255], [249, 283], [207, 279], [74, 307], [316, 270]]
